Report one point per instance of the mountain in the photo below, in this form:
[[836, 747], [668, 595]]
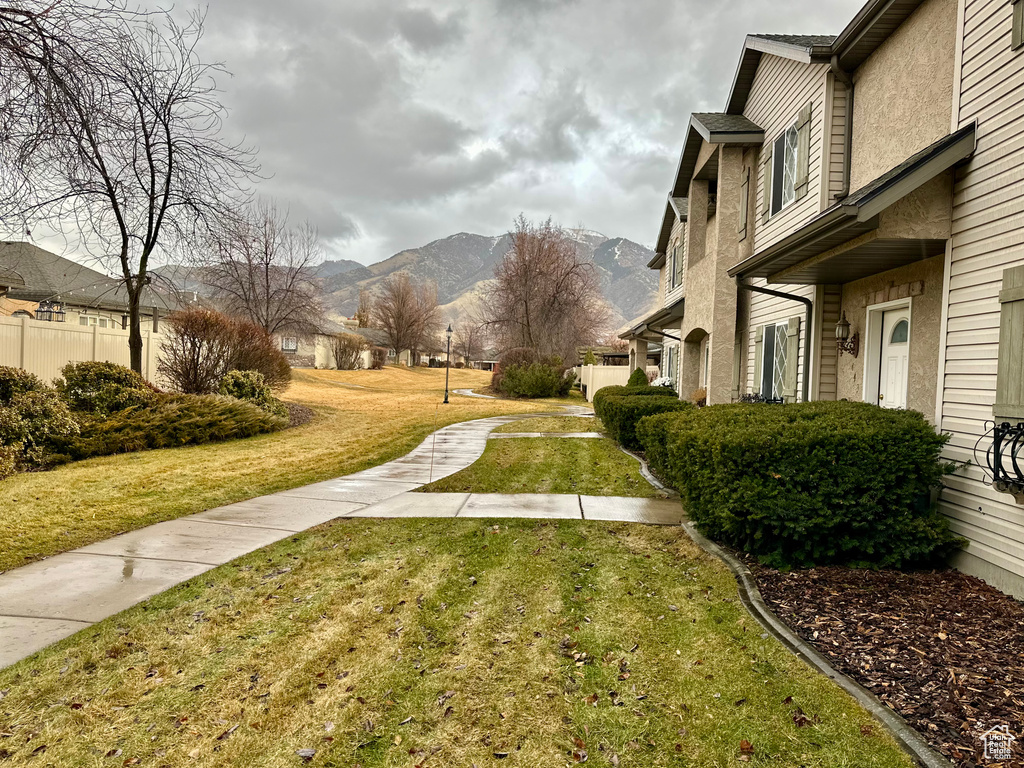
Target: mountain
[[332, 268], [461, 264]]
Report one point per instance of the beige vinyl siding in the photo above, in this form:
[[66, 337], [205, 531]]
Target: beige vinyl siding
[[781, 88], [831, 299], [771, 309], [836, 135], [988, 236]]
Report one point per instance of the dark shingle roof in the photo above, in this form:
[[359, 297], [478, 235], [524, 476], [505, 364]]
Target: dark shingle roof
[[9, 278], [48, 276], [720, 122], [803, 41]]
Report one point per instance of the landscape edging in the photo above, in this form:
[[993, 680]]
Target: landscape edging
[[750, 596]]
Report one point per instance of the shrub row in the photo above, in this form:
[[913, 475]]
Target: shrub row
[[808, 483], [172, 421], [620, 408], [100, 408]]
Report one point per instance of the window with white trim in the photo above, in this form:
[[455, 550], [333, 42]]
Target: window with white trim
[[92, 320], [289, 344], [774, 360], [785, 159]]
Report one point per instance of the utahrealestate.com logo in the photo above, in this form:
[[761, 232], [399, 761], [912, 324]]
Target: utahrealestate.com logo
[[998, 743]]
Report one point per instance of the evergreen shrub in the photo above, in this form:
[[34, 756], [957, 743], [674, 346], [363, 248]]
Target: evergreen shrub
[[809, 483]]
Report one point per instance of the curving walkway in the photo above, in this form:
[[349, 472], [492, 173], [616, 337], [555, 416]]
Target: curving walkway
[[54, 598]]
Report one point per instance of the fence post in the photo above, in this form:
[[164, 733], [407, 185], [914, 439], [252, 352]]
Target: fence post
[[95, 341], [24, 343]]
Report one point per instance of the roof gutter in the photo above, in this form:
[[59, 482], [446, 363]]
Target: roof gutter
[[808, 318], [844, 78]]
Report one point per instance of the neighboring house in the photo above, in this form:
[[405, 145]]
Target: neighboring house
[[54, 311], [873, 176], [316, 350], [60, 290]]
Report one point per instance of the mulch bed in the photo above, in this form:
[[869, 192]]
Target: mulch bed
[[943, 649], [298, 414]]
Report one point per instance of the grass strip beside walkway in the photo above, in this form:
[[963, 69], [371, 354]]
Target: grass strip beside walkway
[[587, 466], [440, 642]]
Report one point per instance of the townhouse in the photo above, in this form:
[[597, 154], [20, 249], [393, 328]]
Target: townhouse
[[851, 226]]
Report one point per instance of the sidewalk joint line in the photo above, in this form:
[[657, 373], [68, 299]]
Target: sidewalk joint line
[[44, 618]]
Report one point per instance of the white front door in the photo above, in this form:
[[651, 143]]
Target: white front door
[[893, 367]]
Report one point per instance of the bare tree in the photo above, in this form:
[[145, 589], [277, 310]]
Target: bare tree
[[263, 269], [364, 313], [407, 313], [545, 295], [111, 134]]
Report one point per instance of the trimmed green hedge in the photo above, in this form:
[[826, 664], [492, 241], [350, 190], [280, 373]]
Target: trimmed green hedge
[[646, 391], [621, 409], [809, 483], [173, 421]]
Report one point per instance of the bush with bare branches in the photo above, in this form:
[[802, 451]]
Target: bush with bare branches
[[348, 351], [203, 345], [378, 357]]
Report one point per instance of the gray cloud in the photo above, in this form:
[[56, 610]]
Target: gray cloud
[[390, 124]]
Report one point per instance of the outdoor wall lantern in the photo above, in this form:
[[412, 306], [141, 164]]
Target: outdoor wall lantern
[[844, 342]]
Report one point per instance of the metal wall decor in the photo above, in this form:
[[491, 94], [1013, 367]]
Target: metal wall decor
[[1005, 457]]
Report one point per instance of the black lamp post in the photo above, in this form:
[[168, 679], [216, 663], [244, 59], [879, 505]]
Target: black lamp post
[[447, 362]]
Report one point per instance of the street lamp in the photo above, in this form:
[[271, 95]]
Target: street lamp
[[447, 362]]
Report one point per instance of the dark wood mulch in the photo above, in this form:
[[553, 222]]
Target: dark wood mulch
[[298, 414], [943, 649]]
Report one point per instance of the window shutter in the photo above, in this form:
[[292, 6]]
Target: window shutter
[[1009, 404], [744, 202], [1017, 36], [803, 157], [792, 359], [766, 197], [758, 357]]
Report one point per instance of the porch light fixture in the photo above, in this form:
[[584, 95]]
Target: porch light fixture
[[844, 342]]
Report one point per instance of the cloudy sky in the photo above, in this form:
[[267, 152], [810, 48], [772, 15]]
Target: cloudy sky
[[391, 123]]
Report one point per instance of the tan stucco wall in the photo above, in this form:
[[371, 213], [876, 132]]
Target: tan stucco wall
[[925, 317], [903, 94], [925, 213]]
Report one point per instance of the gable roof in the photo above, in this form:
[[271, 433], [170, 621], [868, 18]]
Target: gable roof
[[872, 25], [715, 128], [47, 276]]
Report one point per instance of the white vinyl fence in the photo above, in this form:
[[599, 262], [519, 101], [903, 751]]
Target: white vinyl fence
[[43, 348], [593, 377]]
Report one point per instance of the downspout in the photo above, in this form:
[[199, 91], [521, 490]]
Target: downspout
[[808, 321], [844, 78]]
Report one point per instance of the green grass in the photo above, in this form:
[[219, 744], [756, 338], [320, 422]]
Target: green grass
[[589, 466], [439, 642], [554, 424], [387, 414]]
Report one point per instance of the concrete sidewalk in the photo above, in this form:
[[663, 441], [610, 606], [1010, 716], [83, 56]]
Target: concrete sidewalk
[[54, 598]]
